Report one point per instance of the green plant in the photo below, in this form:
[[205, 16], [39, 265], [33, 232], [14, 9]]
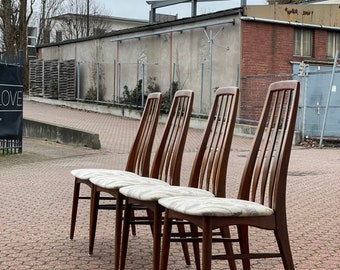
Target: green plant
[[152, 85], [132, 97], [91, 94], [168, 96]]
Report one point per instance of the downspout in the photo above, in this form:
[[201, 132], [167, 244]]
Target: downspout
[[171, 69]]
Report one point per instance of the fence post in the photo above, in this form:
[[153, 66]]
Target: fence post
[[329, 97], [201, 94], [119, 71], [78, 81], [97, 81]]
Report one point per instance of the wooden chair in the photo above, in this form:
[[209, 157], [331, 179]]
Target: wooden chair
[[137, 162], [262, 194], [166, 165], [208, 174]]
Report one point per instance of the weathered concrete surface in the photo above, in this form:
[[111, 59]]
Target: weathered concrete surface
[[60, 134]]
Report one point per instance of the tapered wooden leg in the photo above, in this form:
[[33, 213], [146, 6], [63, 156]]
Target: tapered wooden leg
[[133, 226], [195, 245], [125, 235], [157, 235], [118, 229], [225, 232], [282, 238], [76, 191], [244, 244], [181, 231], [166, 242], [93, 217], [206, 244]]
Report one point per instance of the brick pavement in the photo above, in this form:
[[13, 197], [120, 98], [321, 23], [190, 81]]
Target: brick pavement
[[37, 191]]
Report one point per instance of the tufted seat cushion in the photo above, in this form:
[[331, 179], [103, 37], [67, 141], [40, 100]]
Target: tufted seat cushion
[[202, 206], [111, 181], [154, 193], [86, 174]]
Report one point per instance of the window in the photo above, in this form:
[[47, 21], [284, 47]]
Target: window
[[303, 42], [58, 36], [333, 43], [98, 31], [47, 35]]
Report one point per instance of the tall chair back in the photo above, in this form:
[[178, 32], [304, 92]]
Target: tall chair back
[[139, 157], [265, 173], [210, 166], [168, 158]]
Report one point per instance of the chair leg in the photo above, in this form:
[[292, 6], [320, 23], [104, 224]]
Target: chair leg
[[125, 235], [118, 229], [206, 244], [166, 242], [282, 239], [244, 244], [181, 231], [133, 226], [157, 236], [93, 217], [195, 245], [225, 232], [76, 191]]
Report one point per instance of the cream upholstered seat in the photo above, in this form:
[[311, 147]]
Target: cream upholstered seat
[[202, 206], [111, 181], [139, 157], [150, 193], [261, 200], [86, 174], [207, 175]]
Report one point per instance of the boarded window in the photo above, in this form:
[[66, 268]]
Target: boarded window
[[333, 43], [303, 42]]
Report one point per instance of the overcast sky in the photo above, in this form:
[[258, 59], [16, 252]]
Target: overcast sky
[[139, 9]]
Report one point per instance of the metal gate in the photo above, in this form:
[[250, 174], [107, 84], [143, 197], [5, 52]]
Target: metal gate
[[315, 84]]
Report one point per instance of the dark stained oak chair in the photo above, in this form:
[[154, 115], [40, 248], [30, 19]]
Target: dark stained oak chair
[[138, 160], [166, 166], [208, 174], [262, 193]]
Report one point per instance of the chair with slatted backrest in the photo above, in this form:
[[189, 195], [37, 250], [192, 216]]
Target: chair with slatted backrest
[[208, 175], [138, 160], [261, 200], [166, 164]]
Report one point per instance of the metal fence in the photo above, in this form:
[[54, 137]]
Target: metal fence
[[113, 81], [127, 84]]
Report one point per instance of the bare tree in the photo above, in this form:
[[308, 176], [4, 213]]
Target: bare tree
[[83, 19], [9, 26], [14, 17], [48, 9]]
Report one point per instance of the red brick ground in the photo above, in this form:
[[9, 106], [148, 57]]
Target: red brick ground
[[36, 193]]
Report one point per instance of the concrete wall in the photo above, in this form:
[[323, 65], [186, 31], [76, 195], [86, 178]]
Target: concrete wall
[[60, 134], [183, 46]]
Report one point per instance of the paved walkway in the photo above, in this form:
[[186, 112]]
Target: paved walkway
[[36, 193]]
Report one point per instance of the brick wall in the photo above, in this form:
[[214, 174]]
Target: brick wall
[[266, 55], [266, 51]]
